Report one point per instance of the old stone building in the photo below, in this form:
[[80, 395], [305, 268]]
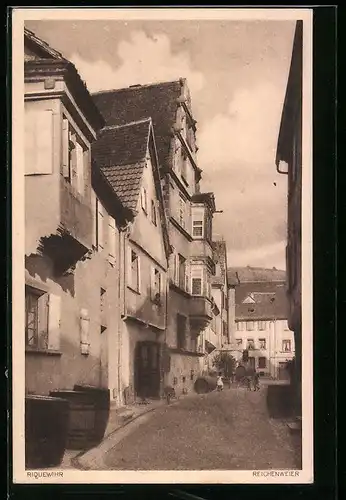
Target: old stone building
[[189, 214], [73, 228], [126, 156]]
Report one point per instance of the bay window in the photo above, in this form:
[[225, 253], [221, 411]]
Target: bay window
[[74, 156]]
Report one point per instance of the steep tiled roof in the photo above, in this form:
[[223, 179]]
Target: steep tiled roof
[[238, 275], [158, 101], [42, 61], [270, 301], [120, 153]]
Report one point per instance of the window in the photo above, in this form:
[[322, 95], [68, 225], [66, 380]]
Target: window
[[182, 211], [250, 325], [286, 345], [181, 271], [144, 200], [111, 240], [181, 331], [153, 213], [196, 280], [42, 319], [262, 362], [240, 326], [224, 329], [156, 286], [239, 342], [197, 229], [74, 153], [250, 344], [262, 343], [134, 274], [184, 162], [262, 325]]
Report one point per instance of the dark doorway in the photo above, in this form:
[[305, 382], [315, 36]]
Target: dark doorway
[[283, 373], [147, 369]]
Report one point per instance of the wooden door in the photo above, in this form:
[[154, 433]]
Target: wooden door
[[147, 369]]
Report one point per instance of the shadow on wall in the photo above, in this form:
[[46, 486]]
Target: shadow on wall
[[58, 371], [42, 266]]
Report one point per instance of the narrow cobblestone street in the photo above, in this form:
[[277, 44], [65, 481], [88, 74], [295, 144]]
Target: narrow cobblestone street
[[229, 430]]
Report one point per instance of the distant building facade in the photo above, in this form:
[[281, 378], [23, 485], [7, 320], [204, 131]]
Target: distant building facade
[[260, 322]]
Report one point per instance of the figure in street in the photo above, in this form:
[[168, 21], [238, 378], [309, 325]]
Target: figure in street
[[219, 382]]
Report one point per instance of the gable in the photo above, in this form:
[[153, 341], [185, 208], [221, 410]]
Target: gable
[[249, 300], [149, 229]]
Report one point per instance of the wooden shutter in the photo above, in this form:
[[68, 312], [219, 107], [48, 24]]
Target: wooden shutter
[[45, 142], [54, 318], [100, 225], [65, 149], [39, 142], [94, 218], [43, 308], [139, 288], [152, 283], [129, 265], [84, 331], [80, 168], [111, 238], [30, 142]]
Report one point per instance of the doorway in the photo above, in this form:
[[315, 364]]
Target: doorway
[[283, 372], [147, 369]]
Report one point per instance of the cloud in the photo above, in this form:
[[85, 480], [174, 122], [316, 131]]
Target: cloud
[[246, 132], [144, 60], [265, 256]]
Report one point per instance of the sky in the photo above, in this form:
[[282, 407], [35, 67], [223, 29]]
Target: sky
[[237, 74]]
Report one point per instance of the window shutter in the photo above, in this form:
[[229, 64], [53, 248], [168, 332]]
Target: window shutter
[[30, 142], [176, 269], [54, 317], [100, 225], [65, 148], [94, 218], [80, 168], [129, 265], [43, 321], [111, 237], [45, 142], [187, 278], [139, 274], [152, 283], [84, 331]]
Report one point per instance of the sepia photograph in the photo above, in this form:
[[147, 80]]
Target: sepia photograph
[[162, 245]]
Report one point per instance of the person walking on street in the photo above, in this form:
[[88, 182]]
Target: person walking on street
[[219, 382], [256, 382]]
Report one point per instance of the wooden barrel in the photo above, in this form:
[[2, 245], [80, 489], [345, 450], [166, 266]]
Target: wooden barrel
[[279, 401], [46, 431], [205, 384], [82, 421], [101, 397]]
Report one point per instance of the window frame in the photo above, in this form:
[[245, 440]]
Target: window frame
[[262, 341], [136, 287], [248, 323], [289, 343], [153, 213]]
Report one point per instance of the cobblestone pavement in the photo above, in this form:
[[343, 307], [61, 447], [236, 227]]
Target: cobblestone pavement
[[229, 430]]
